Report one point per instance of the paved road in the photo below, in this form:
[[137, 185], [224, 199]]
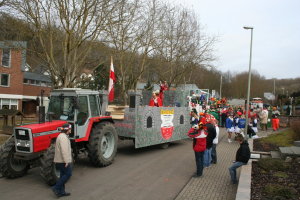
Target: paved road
[[147, 173]]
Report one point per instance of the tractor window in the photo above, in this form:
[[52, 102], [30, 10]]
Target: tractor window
[[61, 108], [83, 111], [94, 106]]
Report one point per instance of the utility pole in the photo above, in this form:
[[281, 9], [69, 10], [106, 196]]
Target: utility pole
[[221, 87], [249, 82], [274, 92]]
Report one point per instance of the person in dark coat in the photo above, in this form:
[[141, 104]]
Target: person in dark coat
[[211, 134], [242, 157]]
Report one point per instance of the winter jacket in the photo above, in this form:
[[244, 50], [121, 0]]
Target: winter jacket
[[199, 139], [229, 123], [243, 153], [264, 116], [63, 152], [211, 134]]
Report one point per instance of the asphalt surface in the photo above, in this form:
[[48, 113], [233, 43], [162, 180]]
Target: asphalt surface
[[146, 173]]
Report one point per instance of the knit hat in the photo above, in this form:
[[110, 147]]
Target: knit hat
[[66, 127]]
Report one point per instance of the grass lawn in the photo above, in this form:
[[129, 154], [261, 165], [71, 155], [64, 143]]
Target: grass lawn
[[281, 139]]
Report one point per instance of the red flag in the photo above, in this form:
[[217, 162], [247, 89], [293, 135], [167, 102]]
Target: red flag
[[112, 80]]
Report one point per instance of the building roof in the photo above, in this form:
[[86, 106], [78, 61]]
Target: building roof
[[37, 77]]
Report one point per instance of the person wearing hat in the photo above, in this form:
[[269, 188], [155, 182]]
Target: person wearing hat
[[198, 133], [63, 160]]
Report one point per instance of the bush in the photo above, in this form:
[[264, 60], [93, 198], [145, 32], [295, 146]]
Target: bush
[[295, 126], [269, 164], [277, 191]]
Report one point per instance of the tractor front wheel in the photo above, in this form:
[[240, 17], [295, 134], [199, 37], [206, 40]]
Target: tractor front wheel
[[9, 166], [102, 146], [48, 169]]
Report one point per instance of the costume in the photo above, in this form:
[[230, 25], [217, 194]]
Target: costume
[[199, 146], [242, 158], [163, 87], [236, 122], [155, 102], [275, 120], [229, 125]]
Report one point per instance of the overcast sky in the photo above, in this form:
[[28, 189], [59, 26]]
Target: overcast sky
[[276, 34]]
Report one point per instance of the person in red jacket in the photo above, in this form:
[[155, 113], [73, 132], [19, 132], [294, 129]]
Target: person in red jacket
[[198, 133], [155, 100], [163, 87]]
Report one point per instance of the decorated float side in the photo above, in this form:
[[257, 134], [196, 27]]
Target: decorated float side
[[148, 125]]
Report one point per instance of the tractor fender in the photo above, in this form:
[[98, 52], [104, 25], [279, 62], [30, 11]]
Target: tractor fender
[[93, 122]]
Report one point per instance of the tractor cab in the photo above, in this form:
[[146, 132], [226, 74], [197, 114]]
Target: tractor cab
[[76, 106]]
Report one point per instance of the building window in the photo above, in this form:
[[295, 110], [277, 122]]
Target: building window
[[32, 82], [26, 81], [6, 58], [9, 104], [181, 119], [149, 122], [4, 80]]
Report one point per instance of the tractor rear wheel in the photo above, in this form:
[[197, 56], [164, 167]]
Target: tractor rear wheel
[[102, 146], [48, 169], [9, 166]]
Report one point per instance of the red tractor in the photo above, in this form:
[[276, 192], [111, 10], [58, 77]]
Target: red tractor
[[33, 145]]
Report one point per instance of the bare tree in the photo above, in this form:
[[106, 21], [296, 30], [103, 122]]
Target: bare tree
[[131, 32], [3, 2], [181, 45], [65, 31]]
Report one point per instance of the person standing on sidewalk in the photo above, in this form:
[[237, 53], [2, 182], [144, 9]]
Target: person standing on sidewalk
[[229, 127], [263, 115], [63, 160], [211, 135], [242, 157], [215, 142], [198, 133], [275, 119]]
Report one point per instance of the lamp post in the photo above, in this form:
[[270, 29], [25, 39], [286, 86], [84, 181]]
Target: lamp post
[[249, 81], [221, 87]]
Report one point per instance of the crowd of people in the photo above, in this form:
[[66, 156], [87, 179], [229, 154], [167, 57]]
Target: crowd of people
[[205, 131]]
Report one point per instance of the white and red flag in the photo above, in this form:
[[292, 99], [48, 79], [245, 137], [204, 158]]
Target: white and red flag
[[112, 80]]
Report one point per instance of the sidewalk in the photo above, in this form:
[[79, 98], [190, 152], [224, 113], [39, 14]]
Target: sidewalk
[[215, 183]]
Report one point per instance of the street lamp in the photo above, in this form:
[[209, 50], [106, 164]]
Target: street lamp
[[249, 81]]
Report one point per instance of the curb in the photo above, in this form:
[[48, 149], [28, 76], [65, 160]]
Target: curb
[[244, 187]]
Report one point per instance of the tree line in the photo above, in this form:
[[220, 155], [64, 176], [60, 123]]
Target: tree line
[[149, 41]]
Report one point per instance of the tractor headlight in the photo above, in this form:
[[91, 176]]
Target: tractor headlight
[[23, 143]]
